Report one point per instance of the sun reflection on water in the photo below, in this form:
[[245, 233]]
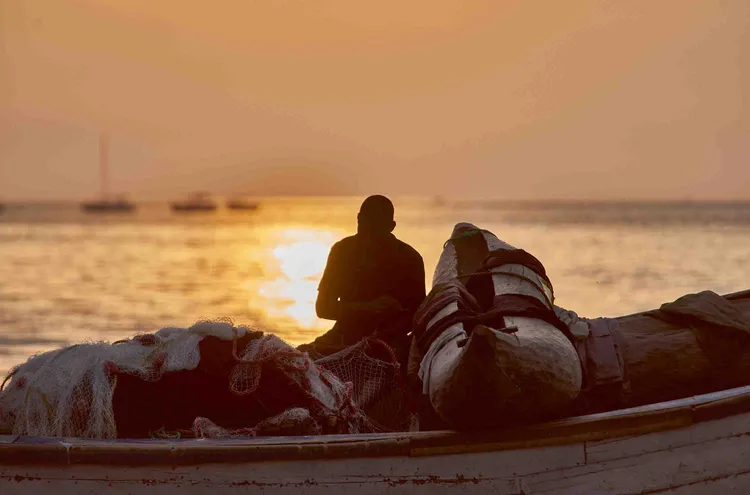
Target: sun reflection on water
[[295, 264]]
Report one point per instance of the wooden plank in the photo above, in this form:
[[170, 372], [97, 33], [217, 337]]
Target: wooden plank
[[652, 472], [733, 483], [700, 469], [181, 487], [480, 465], [642, 419], [573, 433], [721, 408], [620, 448], [195, 453], [474, 473]]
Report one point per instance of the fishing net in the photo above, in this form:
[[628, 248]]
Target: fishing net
[[378, 386], [293, 422], [70, 392]]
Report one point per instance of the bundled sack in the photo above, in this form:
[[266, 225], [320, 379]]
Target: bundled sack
[[488, 348]]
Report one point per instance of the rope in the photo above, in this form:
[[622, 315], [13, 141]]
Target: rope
[[470, 313], [436, 301], [550, 302], [500, 257], [9, 376]]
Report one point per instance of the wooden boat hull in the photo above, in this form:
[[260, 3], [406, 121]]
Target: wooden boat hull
[[691, 446], [497, 377]]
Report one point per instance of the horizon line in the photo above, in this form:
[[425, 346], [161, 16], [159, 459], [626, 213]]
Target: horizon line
[[438, 199]]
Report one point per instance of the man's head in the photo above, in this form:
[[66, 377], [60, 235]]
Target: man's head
[[376, 215]]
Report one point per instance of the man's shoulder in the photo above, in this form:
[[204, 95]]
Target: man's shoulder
[[407, 251], [351, 244], [346, 241], [345, 245]]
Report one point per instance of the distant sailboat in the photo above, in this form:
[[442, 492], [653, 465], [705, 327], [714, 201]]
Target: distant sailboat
[[106, 205], [242, 204], [200, 201]]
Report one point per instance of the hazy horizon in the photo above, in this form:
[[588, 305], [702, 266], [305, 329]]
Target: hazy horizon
[[444, 201], [513, 100]]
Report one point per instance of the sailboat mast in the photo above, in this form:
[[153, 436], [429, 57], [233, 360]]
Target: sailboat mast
[[104, 165]]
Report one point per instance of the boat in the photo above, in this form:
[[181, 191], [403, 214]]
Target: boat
[[196, 202], [242, 204], [106, 205], [696, 445], [683, 429], [118, 205]]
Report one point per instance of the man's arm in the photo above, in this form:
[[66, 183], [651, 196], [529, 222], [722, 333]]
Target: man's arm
[[328, 306], [327, 303]]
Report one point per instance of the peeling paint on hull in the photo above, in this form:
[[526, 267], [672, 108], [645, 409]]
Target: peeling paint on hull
[[697, 445]]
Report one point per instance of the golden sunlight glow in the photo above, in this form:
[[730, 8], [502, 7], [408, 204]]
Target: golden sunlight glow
[[303, 259], [297, 260]]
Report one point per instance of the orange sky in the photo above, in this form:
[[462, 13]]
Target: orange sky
[[492, 99]]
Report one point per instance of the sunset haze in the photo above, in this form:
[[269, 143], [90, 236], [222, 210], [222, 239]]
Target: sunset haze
[[490, 99]]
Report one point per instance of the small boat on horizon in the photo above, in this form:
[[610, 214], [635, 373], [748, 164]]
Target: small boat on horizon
[[200, 201], [118, 205], [106, 205], [242, 204]]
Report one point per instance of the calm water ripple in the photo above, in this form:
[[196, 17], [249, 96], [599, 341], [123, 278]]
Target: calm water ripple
[[67, 277]]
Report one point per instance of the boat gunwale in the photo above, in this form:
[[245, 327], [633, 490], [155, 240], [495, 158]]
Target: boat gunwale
[[19, 450]]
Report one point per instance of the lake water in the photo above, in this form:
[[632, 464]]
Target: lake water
[[66, 276]]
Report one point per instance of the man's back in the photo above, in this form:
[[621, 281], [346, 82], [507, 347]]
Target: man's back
[[373, 283], [362, 269]]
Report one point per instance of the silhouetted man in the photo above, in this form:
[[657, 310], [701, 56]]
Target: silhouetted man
[[372, 285]]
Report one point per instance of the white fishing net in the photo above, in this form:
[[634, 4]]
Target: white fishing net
[[69, 392]]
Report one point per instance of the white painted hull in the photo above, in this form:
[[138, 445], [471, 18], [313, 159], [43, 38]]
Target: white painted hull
[[498, 377], [689, 446]]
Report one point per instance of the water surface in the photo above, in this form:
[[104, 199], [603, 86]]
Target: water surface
[[66, 276]]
